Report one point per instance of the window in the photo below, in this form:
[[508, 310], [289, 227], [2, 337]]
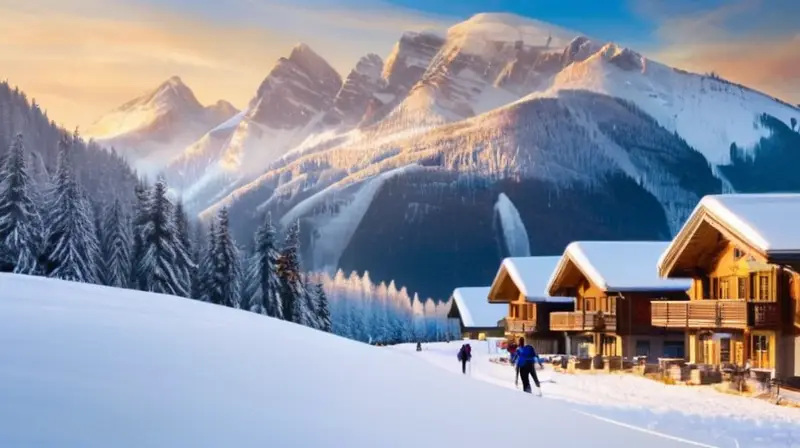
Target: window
[[763, 287], [760, 351], [674, 349], [715, 287], [609, 345], [590, 304], [742, 286], [724, 291], [737, 253], [642, 347]]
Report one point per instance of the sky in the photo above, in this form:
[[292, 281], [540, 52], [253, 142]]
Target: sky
[[82, 58]]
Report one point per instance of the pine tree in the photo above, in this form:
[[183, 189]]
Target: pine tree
[[159, 266], [205, 268], [116, 247], [198, 245], [305, 308], [291, 284], [184, 262], [263, 282], [20, 224], [322, 310], [226, 270], [71, 247], [140, 218]]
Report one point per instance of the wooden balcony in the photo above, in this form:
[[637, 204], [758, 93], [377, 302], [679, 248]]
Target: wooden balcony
[[520, 326], [708, 314], [582, 321]]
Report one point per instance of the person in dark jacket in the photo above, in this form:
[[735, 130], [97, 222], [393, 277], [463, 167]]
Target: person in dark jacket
[[526, 357], [464, 355], [513, 359]]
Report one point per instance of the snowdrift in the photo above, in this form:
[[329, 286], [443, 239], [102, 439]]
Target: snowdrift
[[86, 365]]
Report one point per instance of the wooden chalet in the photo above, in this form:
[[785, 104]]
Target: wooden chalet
[[742, 253], [477, 317], [613, 283], [520, 283]]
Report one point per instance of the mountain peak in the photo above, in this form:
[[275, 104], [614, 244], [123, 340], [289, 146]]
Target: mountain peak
[[173, 81]]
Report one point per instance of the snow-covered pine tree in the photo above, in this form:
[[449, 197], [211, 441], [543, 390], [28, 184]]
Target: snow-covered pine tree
[[322, 310], [226, 271], [138, 222], [184, 262], [291, 291], [263, 282], [20, 224], [198, 243], [116, 247], [307, 312], [71, 248], [205, 268], [159, 266]]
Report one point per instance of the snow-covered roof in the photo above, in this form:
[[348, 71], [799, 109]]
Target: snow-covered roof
[[475, 309], [765, 221], [530, 274], [619, 265]]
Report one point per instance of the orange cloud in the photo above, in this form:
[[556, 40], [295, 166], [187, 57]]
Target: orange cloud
[[745, 41], [81, 58], [772, 66]]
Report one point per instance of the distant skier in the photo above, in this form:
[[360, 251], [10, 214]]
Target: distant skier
[[419, 346], [465, 355], [526, 356]]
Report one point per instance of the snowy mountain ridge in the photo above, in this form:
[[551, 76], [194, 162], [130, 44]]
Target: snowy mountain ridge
[[151, 129], [494, 103]]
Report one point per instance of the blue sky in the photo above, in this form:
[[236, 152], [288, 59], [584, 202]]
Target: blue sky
[[108, 51]]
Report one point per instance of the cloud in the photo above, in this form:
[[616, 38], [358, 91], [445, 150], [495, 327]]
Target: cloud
[[81, 58], [752, 42]]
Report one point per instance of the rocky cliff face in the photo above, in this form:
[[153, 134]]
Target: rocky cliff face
[[357, 93], [295, 90]]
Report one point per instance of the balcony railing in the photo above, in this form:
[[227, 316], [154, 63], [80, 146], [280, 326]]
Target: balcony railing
[[582, 321], [520, 326], [730, 314]]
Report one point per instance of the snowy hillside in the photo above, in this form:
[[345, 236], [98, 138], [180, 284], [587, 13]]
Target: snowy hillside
[[700, 413], [155, 127], [90, 366]]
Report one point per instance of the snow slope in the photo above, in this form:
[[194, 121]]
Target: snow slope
[[88, 366], [699, 413]]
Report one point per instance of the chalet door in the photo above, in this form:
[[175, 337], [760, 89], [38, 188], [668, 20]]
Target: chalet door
[[710, 349]]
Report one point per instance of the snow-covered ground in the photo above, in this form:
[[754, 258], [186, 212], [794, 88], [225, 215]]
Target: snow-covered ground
[[697, 413], [91, 366]]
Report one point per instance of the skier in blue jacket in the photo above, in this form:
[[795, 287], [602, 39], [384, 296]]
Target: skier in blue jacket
[[526, 356]]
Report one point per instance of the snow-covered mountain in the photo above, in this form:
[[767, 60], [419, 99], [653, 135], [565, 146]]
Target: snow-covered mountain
[[291, 101], [153, 128], [583, 139]]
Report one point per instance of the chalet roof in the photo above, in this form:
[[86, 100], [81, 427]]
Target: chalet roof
[[618, 266], [765, 222], [474, 308], [530, 274]]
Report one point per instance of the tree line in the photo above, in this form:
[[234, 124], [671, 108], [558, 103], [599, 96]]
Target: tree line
[[59, 232], [54, 229]]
